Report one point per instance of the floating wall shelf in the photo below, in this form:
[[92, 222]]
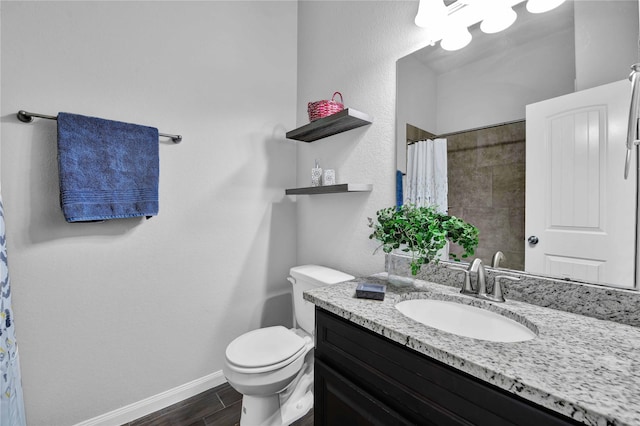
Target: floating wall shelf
[[339, 122], [331, 189]]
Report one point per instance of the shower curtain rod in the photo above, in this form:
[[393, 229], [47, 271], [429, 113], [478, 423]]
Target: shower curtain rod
[[479, 128], [458, 132], [27, 117]]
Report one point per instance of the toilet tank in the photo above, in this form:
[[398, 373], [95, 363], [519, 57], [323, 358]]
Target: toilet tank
[[307, 277]]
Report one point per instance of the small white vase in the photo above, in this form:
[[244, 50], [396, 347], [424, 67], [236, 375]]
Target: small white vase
[[398, 269]]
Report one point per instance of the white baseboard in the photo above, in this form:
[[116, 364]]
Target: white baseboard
[[157, 402]]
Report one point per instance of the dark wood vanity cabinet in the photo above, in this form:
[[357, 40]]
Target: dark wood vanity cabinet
[[362, 378]]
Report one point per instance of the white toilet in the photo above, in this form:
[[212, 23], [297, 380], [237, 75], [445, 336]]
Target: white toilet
[[272, 367]]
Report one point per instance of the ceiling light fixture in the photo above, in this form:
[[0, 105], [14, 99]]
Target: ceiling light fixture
[[450, 23], [432, 15], [500, 16], [456, 38]]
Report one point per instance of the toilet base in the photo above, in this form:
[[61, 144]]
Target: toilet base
[[266, 411], [283, 408], [260, 411], [296, 401]]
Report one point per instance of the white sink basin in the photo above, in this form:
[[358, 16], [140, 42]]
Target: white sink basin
[[465, 320]]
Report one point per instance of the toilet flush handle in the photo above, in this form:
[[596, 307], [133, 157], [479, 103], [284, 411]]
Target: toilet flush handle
[[291, 280]]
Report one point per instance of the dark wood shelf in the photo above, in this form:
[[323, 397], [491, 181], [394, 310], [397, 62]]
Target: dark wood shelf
[[339, 122], [331, 189]]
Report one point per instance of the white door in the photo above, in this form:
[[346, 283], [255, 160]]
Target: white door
[[579, 207]]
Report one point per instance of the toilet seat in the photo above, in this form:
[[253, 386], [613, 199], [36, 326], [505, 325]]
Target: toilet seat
[[265, 349]]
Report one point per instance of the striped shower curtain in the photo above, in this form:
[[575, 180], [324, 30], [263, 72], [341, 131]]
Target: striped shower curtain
[[11, 402], [427, 183]]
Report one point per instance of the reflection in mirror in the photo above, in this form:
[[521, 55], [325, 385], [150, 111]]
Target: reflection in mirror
[[477, 97]]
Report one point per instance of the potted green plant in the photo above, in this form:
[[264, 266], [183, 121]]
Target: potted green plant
[[423, 232]]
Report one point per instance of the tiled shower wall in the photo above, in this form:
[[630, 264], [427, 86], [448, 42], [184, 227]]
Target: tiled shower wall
[[486, 170]]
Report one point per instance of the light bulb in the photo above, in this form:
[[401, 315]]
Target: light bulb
[[500, 18], [430, 13], [540, 6], [456, 38]]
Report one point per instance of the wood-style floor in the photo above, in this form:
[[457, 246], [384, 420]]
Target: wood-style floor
[[219, 406]]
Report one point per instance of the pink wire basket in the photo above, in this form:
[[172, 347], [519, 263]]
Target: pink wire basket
[[324, 108]]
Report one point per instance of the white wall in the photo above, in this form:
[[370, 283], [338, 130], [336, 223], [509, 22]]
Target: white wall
[[357, 57], [605, 27], [482, 93], [417, 102], [111, 313]]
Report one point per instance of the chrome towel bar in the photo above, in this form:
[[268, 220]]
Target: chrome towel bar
[[27, 117]]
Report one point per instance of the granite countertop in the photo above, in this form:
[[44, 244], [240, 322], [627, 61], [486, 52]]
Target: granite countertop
[[585, 368]]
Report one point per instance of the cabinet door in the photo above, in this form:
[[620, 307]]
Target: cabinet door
[[340, 402], [376, 379]]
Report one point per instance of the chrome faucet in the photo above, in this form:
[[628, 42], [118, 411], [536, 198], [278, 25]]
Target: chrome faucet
[[497, 258], [480, 290], [477, 267]]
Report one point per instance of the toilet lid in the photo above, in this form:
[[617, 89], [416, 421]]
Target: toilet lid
[[264, 346]]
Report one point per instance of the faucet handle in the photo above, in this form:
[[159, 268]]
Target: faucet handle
[[466, 286], [497, 295]]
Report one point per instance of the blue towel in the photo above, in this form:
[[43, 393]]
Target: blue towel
[[108, 169], [399, 195]]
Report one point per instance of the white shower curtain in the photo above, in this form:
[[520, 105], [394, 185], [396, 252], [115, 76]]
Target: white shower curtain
[[11, 401], [427, 174]]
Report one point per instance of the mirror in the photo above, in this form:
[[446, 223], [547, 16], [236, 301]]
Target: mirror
[[476, 98]]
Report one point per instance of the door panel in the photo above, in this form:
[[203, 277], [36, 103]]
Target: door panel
[[578, 203]]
